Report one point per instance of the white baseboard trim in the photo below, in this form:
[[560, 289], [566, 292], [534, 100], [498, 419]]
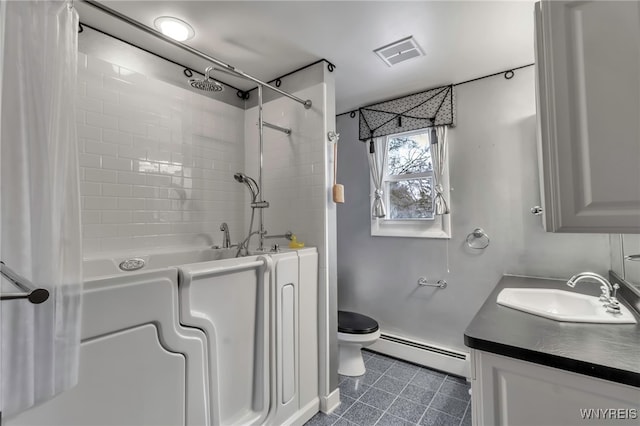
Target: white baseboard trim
[[432, 356], [330, 402], [305, 413]]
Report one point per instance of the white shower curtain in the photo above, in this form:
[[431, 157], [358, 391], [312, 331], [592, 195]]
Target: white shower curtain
[[40, 206]]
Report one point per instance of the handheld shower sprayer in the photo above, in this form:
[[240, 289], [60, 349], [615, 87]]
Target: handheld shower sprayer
[[255, 204], [251, 184]]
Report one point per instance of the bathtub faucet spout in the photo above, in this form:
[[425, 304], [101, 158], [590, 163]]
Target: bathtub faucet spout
[[226, 239]]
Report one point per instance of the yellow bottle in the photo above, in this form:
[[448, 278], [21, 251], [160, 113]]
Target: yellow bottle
[[294, 243]]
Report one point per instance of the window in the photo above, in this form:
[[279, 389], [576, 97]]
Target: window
[[408, 189], [408, 179]]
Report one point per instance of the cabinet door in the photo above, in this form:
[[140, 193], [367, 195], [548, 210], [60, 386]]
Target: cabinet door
[[510, 392], [588, 64]]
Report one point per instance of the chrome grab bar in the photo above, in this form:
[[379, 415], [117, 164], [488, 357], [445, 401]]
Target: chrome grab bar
[[199, 272], [286, 235], [276, 127], [423, 282], [35, 296]]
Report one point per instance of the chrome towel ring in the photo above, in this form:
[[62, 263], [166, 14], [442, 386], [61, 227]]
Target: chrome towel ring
[[478, 239]]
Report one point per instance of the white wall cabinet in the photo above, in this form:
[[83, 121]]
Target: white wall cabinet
[[588, 86], [507, 391]]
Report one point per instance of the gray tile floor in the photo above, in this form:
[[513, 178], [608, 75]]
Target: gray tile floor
[[397, 393]]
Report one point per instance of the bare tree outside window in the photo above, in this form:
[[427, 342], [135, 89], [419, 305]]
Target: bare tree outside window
[[409, 177]]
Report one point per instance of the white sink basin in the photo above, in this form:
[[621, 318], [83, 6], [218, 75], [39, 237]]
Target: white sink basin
[[561, 305]]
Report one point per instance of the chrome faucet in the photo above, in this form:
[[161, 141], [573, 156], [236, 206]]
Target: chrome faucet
[[608, 291], [226, 240]]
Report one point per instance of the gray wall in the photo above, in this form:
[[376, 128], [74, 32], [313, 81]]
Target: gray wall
[[494, 180]]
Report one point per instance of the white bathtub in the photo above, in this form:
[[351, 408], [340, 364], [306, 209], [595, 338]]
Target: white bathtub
[[107, 265], [188, 339]]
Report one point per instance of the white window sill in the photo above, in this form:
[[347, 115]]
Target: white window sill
[[440, 227]]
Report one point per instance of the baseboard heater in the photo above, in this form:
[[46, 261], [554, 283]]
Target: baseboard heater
[[431, 356], [424, 347]]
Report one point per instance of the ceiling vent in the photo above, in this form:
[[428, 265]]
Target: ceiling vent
[[399, 51]]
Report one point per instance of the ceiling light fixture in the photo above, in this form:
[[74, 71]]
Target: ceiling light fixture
[[175, 28]]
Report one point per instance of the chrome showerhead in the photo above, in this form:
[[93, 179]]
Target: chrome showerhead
[[251, 184], [207, 84]]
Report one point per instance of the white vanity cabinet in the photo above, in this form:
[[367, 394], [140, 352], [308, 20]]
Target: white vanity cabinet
[[588, 87], [507, 391]]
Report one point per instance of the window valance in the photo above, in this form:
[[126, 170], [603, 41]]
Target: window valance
[[434, 107]]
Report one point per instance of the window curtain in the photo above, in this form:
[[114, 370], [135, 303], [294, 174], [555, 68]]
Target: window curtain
[[439, 159], [430, 108], [40, 210], [377, 164]]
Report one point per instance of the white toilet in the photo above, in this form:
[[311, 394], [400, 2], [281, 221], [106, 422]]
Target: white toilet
[[355, 331]]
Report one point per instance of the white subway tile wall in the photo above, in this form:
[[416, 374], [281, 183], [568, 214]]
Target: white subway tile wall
[[157, 162]]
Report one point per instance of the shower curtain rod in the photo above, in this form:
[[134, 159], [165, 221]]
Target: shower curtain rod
[[306, 103]]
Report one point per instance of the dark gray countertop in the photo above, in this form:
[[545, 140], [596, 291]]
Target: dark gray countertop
[[606, 351]]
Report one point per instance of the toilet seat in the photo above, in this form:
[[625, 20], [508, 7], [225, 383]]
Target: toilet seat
[[362, 339], [354, 323]]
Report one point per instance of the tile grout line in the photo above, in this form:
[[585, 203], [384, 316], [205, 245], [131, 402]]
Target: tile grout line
[[371, 386], [451, 396], [408, 381], [465, 412], [430, 402], [358, 398], [398, 396]]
